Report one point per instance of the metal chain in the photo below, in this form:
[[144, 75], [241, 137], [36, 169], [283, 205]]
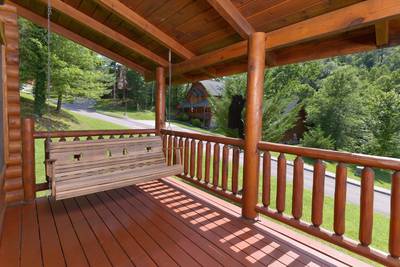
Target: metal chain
[[169, 88], [49, 13]]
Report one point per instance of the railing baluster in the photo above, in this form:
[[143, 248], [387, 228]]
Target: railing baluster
[[367, 206], [208, 159], [181, 149], [281, 184], [176, 150], [76, 138], [225, 167], [318, 193], [193, 158], [89, 138], [62, 139], [186, 157], [298, 188], [216, 165], [340, 199], [394, 236], [266, 195], [200, 160], [170, 149], [235, 170], [165, 147]]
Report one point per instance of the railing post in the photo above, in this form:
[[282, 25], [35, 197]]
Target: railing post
[[253, 122], [160, 100], [28, 158]]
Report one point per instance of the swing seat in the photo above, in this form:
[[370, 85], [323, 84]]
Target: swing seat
[[78, 168]]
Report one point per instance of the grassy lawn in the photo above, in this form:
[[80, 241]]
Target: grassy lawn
[[111, 108]]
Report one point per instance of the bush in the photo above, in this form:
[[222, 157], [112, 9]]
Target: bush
[[196, 122], [182, 117], [317, 139]]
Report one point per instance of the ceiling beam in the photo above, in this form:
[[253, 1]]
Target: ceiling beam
[[227, 10], [132, 17], [41, 21], [105, 30], [382, 33], [349, 18]]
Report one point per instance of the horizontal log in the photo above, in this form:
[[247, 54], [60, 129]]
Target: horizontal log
[[205, 137], [345, 157], [59, 134], [42, 187]]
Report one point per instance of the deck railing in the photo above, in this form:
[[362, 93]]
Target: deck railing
[[215, 164], [337, 234], [211, 162]]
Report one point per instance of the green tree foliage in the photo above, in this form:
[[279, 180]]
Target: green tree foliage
[[337, 108], [277, 117], [33, 47], [316, 138], [384, 124], [75, 70]]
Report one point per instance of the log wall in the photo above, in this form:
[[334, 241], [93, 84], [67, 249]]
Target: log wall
[[13, 184]]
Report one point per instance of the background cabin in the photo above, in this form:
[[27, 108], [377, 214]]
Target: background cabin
[[197, 101]]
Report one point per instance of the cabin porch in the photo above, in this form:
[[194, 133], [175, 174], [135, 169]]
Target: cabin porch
[[163, 223]]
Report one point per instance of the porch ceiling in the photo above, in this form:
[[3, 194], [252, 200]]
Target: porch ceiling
[[208, 37]]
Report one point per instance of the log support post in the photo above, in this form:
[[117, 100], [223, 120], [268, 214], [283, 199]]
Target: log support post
[[28, 159], [160, 100], [253, 122]]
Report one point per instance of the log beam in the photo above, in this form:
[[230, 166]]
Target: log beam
[[227, 10], [105, 30], [349, 18], [253, 123], [160, 100], [41, 21], [382, 33], [141, 23]]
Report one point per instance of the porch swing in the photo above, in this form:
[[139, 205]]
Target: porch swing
[[82, 167]]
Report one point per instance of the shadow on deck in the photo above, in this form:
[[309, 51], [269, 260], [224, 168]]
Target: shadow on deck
[[161, 223]]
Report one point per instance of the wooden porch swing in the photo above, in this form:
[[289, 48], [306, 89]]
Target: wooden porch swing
[[78, 168], [83, 167]]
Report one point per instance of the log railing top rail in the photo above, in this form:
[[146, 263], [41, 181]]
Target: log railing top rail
[[345, 157], [206, 137], [44, 134]]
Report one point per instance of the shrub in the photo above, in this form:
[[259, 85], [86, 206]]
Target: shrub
[[196, 122], [182, 117], [317, 139]]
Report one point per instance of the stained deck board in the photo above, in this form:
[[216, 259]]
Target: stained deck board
[[160, 223]]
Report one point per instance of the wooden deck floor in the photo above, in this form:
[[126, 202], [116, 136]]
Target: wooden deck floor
[[155, 224]]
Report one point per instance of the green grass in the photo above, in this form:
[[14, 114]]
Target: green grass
[[114, 108]]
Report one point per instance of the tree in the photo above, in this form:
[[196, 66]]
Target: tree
[[337, 108], [384, 124], [277, 117], [33, 59], [75, 70]]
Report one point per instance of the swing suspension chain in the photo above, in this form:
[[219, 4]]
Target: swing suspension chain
[[169, 88], [49, 13]]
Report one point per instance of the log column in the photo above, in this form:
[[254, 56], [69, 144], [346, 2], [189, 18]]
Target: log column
[[160, 99], [253, 122], [28, 159]]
